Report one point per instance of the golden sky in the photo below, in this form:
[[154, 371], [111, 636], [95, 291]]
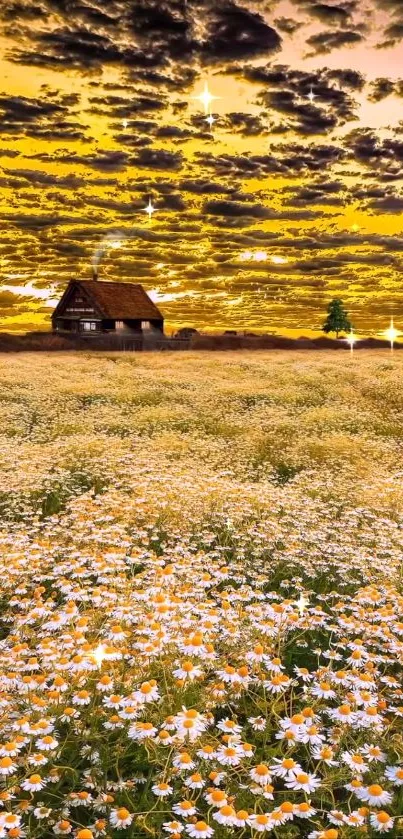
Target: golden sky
[[292, 197]]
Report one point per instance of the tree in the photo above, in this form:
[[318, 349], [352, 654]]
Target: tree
[[337, 318]]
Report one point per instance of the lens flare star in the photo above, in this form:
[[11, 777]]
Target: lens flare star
[[150, 209], [206, 98], [351, 339], [391, 334]]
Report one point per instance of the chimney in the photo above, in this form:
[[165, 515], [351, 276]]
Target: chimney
[[94, 274]]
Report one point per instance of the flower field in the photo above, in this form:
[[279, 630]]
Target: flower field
[[201, 624]]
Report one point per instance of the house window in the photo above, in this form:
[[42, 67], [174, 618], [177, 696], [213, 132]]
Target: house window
[[145, 324], [89, 325], [119, 324]]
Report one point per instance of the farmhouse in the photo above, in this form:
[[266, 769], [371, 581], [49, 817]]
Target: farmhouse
[[89, 307]]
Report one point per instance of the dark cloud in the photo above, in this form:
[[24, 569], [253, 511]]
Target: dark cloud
[[393, 34], [158, 159], [118, 107], [325, 42], [48, 118], [237, 209], [142, 35], [380, 89], [236, 33], [389, 204], [246, 124], [288, 25], [45, 179]]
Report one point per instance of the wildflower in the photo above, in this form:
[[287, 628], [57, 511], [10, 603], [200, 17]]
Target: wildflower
[[260, 822], [148, 692], [184, 808], [173, 827], [216, 798], [9, 820], [33, 783], [395, 775], [229, 726], [200, 830], [355, 762], [304, 810], [206, 753], [120, 818], [241, 818], [323, 690], [47, 743], [184, 761], [375, 795], [382, 822], [354, 819], [343, 714], [7, 766], [42, 812], [188, 670], [282, 768], [257, 723], [303, 781], [226, 815], [195, 781], [336, 817], [260, 774], [229, 755], [373, 753], [62, 828], [81, 698]]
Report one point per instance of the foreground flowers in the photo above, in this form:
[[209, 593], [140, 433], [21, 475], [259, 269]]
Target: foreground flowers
[[199, 658]]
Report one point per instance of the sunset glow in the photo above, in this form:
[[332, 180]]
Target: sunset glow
[[259, 148]]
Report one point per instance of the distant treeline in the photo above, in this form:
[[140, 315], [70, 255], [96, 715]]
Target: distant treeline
[[50, 342]]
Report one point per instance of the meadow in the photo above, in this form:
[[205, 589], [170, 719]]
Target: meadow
[[201, 624]]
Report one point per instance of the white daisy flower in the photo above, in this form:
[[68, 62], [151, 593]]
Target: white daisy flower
[[260, 822], [120, 818], [200, 830], [260, 774], [282, 768], [304, 810], [33, 783], [162, 789], [195, 781], [173, 827], [226, 815], [375, 795], [395, 775], [382, 822], [303, 781], [184, 808], [355, 762]]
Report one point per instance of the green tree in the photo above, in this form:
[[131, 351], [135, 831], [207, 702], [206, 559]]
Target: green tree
[[337, 318]]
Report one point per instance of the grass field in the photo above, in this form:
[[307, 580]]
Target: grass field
[[202, 595]]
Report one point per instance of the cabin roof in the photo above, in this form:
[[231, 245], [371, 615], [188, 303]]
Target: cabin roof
[[118, 301]]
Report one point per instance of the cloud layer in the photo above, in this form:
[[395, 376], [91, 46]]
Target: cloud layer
[[290, 197]]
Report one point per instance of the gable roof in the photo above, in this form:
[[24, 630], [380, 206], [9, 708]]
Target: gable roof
[[118, 301]]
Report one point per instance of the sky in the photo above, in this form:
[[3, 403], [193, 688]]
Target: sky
[[291, 197]]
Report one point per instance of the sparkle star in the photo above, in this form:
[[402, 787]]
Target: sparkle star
[[125, 123], [302, 603], [391, 334], [311, 96], [211, 120], [206, 98], [150, 209], [351, 339]]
